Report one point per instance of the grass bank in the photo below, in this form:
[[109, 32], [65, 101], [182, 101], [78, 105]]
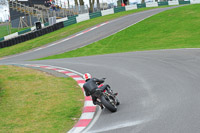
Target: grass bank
[[176, 28], [4, 30], [64, 32], [33, 101]]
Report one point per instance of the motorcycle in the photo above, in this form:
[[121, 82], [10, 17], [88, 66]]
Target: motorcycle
[[106, 97]]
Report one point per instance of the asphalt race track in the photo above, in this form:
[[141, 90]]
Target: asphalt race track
[[158, 90], [99, 33]]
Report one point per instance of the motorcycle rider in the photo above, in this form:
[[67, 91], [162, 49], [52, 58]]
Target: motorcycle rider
[[91, 84]]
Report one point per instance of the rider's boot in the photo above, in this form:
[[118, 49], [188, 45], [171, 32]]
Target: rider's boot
[[115, 94], [102, 107], [100, 104]]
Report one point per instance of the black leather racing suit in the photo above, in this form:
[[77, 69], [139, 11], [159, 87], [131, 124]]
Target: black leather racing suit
[[92, 84]]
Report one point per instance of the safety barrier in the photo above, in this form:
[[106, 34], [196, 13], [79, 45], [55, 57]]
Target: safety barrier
[[2, 39], [130, 7], [46, 24], [162, 3], [119, 9], [194, 1], [107, 12], [173, 3], [94, 15], [82, 17], [30, 35], [61, 20], [152, 4], [11, 36], [70, 22], [184, 2], [141, 5], [71, 17], [24, 31]]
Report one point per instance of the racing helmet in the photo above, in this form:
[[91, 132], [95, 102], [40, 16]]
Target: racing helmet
[[87, 76]]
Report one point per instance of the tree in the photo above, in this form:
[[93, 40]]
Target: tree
[[98, 5], [81, 2], [91, 2], [76, 2], [81, 5], [68, 3]]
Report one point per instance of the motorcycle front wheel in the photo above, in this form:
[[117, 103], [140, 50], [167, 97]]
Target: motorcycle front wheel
[[108, 104]]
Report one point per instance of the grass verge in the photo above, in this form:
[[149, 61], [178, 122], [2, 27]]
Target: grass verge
[[176, 28], [4, 30], [64, 32], [33, 101]]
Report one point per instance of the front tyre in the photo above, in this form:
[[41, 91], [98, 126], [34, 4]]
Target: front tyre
[[108, 104]]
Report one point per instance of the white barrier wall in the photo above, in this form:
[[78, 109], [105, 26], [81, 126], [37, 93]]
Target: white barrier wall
[[33, 28], [151, 4], [107, 12], [173, 3], [82, 17], [61, 20], [11, 36], [43, 26], [130, 7], [194, 1], [52, 20]]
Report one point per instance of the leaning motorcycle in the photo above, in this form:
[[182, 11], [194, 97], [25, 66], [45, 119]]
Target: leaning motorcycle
[[106, 97]]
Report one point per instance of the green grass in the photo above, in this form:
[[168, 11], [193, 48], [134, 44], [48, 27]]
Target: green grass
[[4, 30], [64, 32], [176, 28], [33, 101]]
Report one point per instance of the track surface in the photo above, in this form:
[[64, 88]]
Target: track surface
[[158, 90], [89, 37]]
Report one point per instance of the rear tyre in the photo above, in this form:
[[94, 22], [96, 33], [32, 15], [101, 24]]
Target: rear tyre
[[107, 104]]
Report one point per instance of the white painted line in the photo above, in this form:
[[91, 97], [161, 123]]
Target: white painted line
[[89, 103], [78, 78], [70, 74], [50, 68], [88, 115], [94, 28], [80, 34], [76, 130], [121, 125], [60, 70], [81, 85]]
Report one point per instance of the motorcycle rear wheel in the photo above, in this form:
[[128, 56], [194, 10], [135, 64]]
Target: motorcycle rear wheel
[[107, 104]]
